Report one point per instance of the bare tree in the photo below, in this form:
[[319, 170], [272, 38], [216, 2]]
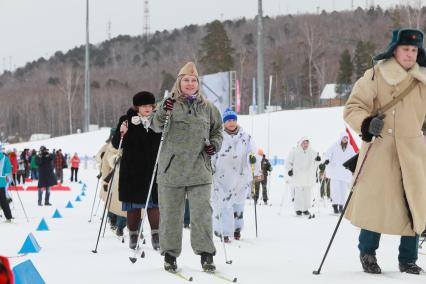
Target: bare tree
[[68, 88], [414, 12], [309, 33]]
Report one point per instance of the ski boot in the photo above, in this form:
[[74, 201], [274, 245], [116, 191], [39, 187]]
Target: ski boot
[[207, 262], [298, 212], [226, 240], [410, 268], [133, 239], [170, 263], [306, 213], [237, 235], [340, 208], [155, 240], [119, 232], [369, 264], [335, 209]]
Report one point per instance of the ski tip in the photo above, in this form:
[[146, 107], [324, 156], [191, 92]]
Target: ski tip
[[132, 259], [143, 255]]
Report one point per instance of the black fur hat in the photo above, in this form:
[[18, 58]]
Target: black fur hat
[[143, 98]]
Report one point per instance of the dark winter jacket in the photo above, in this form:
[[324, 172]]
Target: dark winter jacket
[[266, 166], [45, 168], [140, 150]]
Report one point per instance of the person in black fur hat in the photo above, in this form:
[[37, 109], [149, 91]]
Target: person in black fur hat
[[140, 146], [405, 37], [390, 194]]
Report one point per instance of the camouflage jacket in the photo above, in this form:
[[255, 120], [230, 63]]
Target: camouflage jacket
[[183, 161]]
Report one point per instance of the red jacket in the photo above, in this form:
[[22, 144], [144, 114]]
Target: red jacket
[[6, 276], [14, 162], [75, 161]]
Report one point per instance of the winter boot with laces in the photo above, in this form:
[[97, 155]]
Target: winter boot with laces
[[335, 209], [369, 264], [155, 240], [207, 262], [133, 239], [237, 235], [119, 232], [410, 268], [170, 263]]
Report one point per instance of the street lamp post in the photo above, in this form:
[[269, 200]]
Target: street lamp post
[[87, 75], [260, 81]]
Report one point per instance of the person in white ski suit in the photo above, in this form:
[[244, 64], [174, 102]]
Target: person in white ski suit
[[301, 164], [341, 178], [233, 177]]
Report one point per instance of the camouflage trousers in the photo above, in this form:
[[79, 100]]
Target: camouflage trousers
[[172, 207]]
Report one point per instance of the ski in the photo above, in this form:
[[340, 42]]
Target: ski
[[221, 276], [180, 275], [17, 256]]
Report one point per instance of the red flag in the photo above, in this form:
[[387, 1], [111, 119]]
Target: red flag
[[352, 141]]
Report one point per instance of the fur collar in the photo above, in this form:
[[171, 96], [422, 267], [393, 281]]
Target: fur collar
[[393, 73]]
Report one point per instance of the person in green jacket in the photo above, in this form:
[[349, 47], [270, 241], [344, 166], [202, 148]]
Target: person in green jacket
[[34, 166], [192, 136]]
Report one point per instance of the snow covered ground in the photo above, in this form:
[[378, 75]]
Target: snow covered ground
[[287, 249]]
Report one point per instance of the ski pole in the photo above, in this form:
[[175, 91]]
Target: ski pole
[[318, 271], [108, 203], [22, 205], [94, 198], [227, 261], [108, 196], [424, 239], [154, 173], [97, 207], [255, 200]]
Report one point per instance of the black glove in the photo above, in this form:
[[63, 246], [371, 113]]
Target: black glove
[[326, 162], [168, 104], [210, 149], [321, 167], [99, 176], [371, 127], [252, 159], [290, 173], [318, 158]]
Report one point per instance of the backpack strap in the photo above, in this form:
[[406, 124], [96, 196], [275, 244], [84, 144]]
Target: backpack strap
[[399, 97]]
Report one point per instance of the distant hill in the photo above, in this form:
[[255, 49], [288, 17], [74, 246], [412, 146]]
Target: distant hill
[[301, 51]]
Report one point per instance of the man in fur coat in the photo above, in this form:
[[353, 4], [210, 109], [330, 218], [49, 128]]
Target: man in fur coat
[[390, 194]]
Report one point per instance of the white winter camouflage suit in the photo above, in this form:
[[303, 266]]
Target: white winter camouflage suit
[[304, 168], [233, 180]]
